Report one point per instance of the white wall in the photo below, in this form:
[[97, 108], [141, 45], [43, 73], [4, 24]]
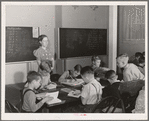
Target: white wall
[[49, 19], [30, 16], [16, 73]]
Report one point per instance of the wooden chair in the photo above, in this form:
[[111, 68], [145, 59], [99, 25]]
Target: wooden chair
[[10, 107], [55, 77], [108, 103]]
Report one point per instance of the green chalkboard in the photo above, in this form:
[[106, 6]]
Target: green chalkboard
[[20, 44], [77, 42]]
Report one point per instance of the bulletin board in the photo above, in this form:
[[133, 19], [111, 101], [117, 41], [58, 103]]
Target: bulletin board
[[78, 42], [20, 43]]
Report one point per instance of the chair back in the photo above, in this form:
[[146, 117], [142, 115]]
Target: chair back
[[20, 103], [10, 107], [55, 77], [109, 105], [132, 87]]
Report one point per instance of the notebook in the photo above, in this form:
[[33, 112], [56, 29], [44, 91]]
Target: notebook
[[67, 90]]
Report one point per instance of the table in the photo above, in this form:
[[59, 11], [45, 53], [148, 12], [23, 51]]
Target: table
[[62, 96]]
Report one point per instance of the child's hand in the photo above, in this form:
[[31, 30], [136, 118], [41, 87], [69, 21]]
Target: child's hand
[[76, 92]]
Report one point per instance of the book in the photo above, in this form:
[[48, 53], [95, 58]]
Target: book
[[55, 99], [76, 93], [51, 86], [73, 82]]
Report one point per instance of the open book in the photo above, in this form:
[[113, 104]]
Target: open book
[[75, 93], [51, 86], [55, 99], [73, 82]]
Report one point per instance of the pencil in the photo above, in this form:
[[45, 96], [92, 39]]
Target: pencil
[[73, 78]]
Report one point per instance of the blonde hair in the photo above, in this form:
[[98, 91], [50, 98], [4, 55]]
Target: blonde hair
[[123, 58]]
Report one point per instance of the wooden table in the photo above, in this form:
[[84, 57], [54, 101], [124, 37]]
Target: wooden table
[[62, 96]]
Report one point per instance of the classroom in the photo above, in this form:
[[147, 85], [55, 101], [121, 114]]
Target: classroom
[[90, 49]]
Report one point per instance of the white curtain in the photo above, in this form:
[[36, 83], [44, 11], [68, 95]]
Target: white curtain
[[133, 23]]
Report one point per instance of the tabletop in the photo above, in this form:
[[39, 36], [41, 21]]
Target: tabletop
[[63, 96]]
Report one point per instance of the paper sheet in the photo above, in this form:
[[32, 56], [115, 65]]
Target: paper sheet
[[35, 32]]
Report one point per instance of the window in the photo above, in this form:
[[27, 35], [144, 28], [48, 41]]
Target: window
[[133, 23]]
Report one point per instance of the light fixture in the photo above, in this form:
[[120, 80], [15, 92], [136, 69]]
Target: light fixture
[[93, 7], [75, 6]]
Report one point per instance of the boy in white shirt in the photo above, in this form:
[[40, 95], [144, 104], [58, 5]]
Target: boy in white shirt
[[92, 90], [131, 71]]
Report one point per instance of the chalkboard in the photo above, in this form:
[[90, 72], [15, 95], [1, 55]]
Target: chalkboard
[[77, 42], [20, 44]]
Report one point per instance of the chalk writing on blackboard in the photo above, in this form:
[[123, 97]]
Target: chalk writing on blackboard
[[77, 42], [20, 44]]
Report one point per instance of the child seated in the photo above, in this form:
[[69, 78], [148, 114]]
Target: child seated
[[91, 91], [112, 89], [137, 56], [70, 74], [96, 66], [131, 71], [141, 64], [45, 73], [29, 96]]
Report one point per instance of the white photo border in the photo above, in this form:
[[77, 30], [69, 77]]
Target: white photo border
[[69, 116]]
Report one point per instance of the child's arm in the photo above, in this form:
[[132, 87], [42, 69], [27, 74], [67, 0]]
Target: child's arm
[[38, 62], [64, 76], [37, 54], [53, 64], [84, 100], [129, 76], [30, 99], [84, 94]]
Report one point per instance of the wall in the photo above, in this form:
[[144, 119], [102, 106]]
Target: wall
[[49, 19], [32, 16], [84, 17]]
